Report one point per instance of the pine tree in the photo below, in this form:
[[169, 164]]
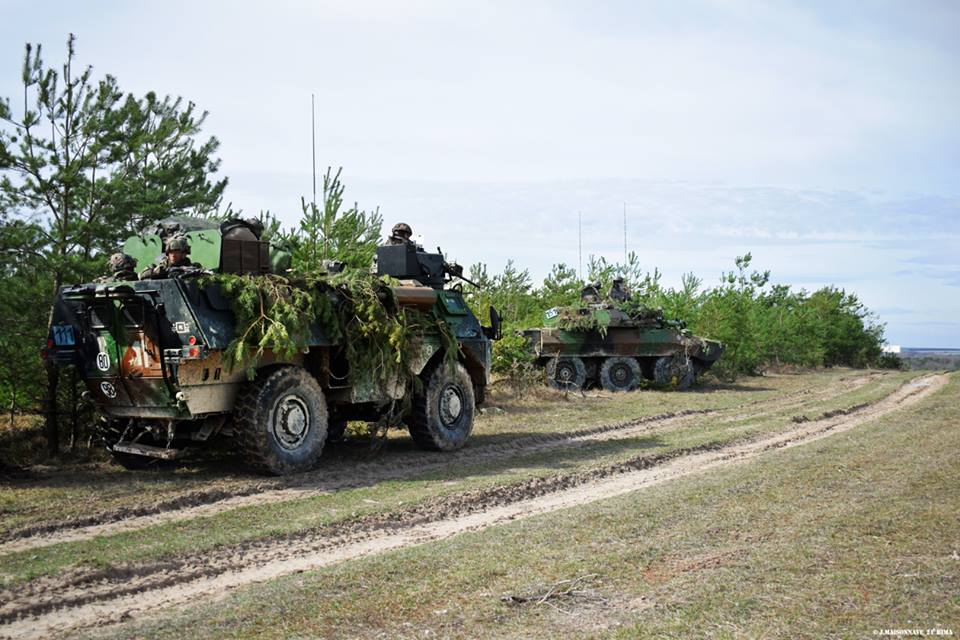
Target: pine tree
[[83, 166], [331, 233]]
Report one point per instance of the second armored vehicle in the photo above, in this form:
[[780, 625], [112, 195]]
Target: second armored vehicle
[[599, 343]]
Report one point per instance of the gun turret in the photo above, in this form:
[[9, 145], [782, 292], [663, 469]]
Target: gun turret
[[407, 261]]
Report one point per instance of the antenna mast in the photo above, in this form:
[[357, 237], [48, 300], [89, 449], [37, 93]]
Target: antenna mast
[[313, 154], [580, 243], [624, 235], [313, 148]]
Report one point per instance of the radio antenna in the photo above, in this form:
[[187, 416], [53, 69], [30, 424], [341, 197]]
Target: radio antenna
[[624, 235], [313, 148], [580, 243]]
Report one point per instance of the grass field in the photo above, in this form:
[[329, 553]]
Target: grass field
[[74, 491], [838, 537]]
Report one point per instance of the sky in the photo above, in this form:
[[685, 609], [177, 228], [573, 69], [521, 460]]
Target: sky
[[822, 137]]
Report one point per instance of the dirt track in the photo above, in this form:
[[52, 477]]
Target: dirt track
[[203, 503], [58, 604]]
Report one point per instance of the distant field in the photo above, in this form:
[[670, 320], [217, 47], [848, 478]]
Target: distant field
[[813, 505], [931, 359]]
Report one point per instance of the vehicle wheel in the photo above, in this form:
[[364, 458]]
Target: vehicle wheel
[[281, 421], [674, 371], [109, 431], [441, 417], [566, 374], [620, 374]]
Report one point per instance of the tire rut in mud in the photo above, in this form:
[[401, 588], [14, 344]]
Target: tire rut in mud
[[72, 591], [372, 471], [361, 474], [125, 580]]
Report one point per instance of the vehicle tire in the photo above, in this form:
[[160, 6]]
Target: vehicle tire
[[109, 431], [620, 374], [441, 417], [674, 371], [281, 421], [566, 373]]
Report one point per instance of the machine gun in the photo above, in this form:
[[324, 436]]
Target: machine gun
[[409, 262], [456, 271]]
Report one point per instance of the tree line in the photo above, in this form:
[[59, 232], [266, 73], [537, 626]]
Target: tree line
[[84, 165], [761, 323]]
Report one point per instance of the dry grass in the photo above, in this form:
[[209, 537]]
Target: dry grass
[[75, 489], [839, 538], [89, 488]]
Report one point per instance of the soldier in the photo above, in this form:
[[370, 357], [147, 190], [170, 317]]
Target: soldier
[[618, 291], [122, 269], [400, 234], [177, 248], [590, 294]]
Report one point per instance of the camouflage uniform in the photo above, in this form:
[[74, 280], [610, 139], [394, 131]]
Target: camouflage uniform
[[590, 294], [618, 292], [122, 269], [162, 270], [400, 234]]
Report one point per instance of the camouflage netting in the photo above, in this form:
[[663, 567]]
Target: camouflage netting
[[644, 314], [599, 318], [353, 308], [582, 318]]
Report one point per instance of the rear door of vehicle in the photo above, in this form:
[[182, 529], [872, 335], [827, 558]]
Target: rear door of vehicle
[[141, 353], [127, 367], [101, 361]]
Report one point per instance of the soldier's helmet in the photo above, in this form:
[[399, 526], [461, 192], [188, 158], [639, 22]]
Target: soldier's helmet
[[177, 243], [121, 262], [590, 293], [402, 230]]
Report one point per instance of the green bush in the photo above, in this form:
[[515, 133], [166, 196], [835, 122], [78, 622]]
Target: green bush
[[759, 322], [509, 351], [891, 361]]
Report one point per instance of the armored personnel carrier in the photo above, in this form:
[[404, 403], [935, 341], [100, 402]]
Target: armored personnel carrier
[[600, 343], [151, 353]]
